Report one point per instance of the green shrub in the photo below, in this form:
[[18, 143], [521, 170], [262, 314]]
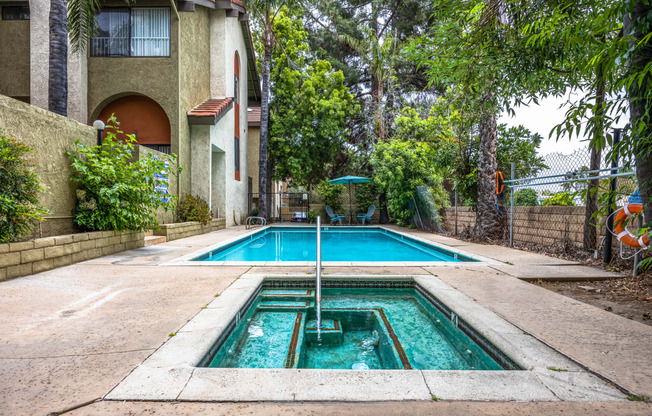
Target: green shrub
[[312, 217], [19, 190], [526, 198], [331, 194], [116, 192], [561, 199], [193, 208], [366, 194]]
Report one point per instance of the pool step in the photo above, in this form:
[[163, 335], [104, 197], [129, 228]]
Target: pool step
[[276, 305], [288, 294], [331, 332]]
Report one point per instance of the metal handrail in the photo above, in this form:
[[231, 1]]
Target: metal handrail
[[251, 221], [588, 178], [576, 173], [318, 282]]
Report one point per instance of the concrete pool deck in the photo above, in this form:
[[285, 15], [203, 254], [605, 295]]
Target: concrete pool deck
[[70, 335]]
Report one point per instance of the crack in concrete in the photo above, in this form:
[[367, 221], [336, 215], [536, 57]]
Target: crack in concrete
[[186, 383], [77, 355]]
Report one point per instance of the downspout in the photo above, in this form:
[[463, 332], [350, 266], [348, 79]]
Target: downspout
[[174, 7]]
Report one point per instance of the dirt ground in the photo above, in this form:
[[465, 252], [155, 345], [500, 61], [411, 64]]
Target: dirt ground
[[630, 296]]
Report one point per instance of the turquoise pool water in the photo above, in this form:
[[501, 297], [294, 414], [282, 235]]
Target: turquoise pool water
[[338, 244], [365, 329]]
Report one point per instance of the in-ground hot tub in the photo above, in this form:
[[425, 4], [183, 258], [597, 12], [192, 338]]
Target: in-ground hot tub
[[363, 328], [180, 369]]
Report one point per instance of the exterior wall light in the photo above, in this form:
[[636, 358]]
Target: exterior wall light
[[99, 126]]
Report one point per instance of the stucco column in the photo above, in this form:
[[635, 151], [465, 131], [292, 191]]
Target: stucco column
[[200, 162], [39, 26]]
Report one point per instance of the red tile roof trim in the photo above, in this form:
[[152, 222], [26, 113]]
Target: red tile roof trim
[[239, 3], [210, 111], [253, 116]]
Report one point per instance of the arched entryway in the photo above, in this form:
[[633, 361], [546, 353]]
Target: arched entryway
[[143, 117]]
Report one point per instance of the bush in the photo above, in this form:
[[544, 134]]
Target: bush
[[561, 199], [193, 208], [19, 190], [116, 192], [331, 194], [366, 194], [526, 198]]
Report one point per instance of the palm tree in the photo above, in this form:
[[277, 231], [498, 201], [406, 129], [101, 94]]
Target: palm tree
[[74, 19], [58, 62], [265, 11]]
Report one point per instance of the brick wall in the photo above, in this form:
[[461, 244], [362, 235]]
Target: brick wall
[[188, 229], [41, 254], [539, 225]]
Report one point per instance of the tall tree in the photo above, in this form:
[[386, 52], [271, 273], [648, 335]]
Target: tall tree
[[309, 108], [58, 61], [265, 12]]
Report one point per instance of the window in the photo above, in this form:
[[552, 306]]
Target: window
[[236, 157], [235, 88], [15, 12], [137, 31]]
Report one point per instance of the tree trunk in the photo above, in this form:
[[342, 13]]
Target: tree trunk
[[590, 241], [263, 200], [384, 215], [640, 102], [58, 78], [489, 221]]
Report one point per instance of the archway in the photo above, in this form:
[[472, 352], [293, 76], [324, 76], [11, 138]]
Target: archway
[[143, 117]]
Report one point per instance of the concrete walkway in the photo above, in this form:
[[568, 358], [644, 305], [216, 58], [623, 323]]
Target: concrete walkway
[[68, 336]]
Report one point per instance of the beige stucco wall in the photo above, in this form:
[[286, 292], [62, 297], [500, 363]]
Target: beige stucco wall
[[51, 136], [14, 55], [194, 80], [253, 152]]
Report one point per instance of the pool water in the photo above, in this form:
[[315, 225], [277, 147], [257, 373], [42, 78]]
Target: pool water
[[364, 329], [338, 244]]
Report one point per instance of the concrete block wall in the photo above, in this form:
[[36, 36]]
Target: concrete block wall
[[188, 229], [532, 225], [41, 254]]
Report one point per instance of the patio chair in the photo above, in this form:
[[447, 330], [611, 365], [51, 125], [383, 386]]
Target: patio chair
[[334, 217], [367, 217]]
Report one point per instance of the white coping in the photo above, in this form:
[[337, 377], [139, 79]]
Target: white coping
[[171, 373], [187, 260]]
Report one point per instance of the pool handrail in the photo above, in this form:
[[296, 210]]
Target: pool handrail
[[251, 221]]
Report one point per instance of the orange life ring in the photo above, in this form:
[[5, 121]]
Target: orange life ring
[[623, 234]]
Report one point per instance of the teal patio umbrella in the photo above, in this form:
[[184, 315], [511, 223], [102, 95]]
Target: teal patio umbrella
[[348, 180]]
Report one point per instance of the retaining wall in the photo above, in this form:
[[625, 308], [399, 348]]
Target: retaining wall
[[538, 225], [188, 229], [41, 254]]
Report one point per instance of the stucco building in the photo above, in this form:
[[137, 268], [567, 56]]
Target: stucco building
[[177, 74]]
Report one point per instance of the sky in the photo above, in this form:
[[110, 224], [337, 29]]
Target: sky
[[541, 119]]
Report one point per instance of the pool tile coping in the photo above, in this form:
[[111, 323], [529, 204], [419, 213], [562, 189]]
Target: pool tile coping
[[186, 260], [171, 372]]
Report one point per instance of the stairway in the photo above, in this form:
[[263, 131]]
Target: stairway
[[151, 239]]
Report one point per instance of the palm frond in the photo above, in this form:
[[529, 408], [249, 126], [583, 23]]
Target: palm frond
[[82, 24]]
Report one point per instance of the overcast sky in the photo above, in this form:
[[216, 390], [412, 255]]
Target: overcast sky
[[541, 119]]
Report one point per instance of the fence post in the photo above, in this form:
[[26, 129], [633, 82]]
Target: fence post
[[511, 210], [612, 199], [455, 208]]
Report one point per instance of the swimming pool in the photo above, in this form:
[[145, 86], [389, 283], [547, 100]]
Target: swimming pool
[[339, 244], [362, 329]]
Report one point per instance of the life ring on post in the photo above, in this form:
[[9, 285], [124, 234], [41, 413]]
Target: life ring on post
[[621, 231]]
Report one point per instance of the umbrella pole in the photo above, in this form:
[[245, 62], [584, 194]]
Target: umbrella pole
[[350, 206]]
